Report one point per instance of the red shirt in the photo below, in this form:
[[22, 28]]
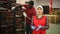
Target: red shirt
[[42, 22], [30, 12]]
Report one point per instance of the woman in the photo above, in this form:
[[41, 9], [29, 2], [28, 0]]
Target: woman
[[40, 23]]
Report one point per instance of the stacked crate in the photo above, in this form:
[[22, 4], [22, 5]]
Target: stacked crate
[[6, 22], [12, 22], [20, 24]]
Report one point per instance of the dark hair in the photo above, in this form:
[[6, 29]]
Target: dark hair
[[31, 2]]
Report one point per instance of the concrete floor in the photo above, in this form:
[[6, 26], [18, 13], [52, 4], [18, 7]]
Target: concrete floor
[[54, 29]]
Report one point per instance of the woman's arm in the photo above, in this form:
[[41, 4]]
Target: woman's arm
[[47, 25]]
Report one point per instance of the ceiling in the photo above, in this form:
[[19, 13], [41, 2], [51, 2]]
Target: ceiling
[[55, 3]]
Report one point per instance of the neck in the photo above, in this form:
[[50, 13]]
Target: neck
[[39, 16]]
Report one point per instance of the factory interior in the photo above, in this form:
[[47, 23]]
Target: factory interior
[[13, 22]]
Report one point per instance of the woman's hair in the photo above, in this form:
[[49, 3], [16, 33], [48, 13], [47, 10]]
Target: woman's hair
[[40, 7]]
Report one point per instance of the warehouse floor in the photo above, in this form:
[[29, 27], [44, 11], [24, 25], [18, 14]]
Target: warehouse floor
[[54, 29]]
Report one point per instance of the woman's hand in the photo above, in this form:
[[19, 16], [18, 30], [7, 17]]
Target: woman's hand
[[39, 27], [45, 27], [33, 27]]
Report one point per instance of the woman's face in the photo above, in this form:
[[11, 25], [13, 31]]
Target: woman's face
[[39, 11]]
